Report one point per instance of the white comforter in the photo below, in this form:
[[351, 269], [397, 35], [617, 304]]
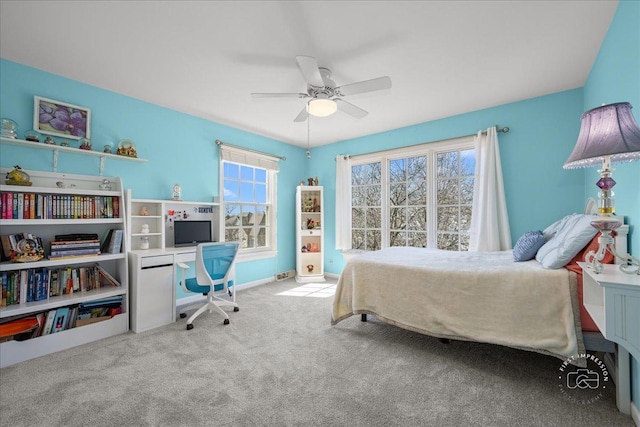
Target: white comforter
[[484, 297]]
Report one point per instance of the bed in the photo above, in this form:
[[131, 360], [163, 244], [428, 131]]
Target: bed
[[475, 296]]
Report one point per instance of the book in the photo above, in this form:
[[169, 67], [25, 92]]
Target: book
[[61, 245], [115, 242], [49, 322], [108, 278], [105, 244], [67, 256], [60, 319]]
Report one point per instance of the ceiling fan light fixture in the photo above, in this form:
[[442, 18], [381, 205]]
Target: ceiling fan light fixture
[[322, 107]]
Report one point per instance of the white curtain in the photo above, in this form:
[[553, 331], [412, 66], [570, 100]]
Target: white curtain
[[489, 218], [343, 202]]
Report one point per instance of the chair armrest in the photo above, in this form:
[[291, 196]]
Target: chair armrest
[[184, 267]]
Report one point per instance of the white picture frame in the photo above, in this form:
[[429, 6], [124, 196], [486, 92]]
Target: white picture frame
[[61, 119]]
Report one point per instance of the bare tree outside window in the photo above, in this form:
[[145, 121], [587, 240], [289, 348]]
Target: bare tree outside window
[[417, 199]]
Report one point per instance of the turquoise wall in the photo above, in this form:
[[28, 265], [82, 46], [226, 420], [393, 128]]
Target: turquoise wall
[[615, 77], [538, 190], [179, 148]]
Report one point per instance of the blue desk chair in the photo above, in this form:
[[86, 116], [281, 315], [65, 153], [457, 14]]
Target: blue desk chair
[[215, 277]]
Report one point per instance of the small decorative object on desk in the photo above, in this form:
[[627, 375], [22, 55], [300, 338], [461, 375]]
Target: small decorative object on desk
[[28, 250], [32, 135], [105, 185], [49, 140], [17, 177], [9, 128], [85, 144], [144, 211], [177, 193], [127, 148], [144, 243]]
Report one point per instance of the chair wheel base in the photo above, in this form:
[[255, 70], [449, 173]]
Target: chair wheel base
[[183, 315], [226, 321], [189, 327], [236, 308]]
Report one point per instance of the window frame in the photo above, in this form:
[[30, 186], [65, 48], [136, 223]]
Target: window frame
[[430, 150], [271, 250]]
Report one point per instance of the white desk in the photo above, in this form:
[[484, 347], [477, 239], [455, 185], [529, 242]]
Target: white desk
[[612, 298], [153, 285]]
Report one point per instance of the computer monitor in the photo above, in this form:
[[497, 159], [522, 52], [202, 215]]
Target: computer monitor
[[191, 233]]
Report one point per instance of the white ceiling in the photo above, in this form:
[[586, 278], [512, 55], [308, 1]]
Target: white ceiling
[[205, 58]]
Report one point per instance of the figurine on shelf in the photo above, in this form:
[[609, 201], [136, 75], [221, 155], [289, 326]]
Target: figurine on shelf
[[311, 224], [144, 229], [49, 140], [315, 181], [105, 185], [85, 144], [144, 242], [309, 181], [177, 193], [144, 211], [310, 268], [17, 177]]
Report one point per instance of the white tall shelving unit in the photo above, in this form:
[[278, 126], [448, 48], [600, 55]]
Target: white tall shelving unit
[[45, 183], [309, 234]]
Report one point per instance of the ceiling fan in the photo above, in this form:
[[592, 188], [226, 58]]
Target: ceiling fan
[[323, 94]]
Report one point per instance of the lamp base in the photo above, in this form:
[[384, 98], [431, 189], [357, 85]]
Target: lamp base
[[606, 225]]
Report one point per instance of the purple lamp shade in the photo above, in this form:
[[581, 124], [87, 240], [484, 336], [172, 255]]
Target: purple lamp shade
[[607, 131]]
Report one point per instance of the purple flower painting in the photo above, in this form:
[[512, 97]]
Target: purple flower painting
[[60, 119]]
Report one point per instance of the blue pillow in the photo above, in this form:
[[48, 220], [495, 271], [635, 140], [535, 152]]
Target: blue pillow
[[527, 246]]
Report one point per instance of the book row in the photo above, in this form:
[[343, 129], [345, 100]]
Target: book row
[[90, 245], [63, 318], [38, 284], [57, 206]]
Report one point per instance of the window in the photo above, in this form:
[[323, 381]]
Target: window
[[418, 197], [248, 201]]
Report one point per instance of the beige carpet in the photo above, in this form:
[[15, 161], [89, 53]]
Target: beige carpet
[[280, 363]]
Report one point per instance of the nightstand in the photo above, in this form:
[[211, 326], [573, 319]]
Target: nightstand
[[612, 298]]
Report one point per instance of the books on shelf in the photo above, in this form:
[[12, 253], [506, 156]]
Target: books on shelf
[[20, 205], [38, 284], [60, 319]]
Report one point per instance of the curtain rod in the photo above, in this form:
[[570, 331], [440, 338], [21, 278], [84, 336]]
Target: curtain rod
[[218, 142], [503, 129]]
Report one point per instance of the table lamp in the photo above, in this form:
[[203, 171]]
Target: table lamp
[[608, 134]]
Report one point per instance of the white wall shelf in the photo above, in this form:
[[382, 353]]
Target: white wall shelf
[[56, 149]]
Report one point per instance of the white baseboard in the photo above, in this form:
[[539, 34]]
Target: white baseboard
[[635, 413]]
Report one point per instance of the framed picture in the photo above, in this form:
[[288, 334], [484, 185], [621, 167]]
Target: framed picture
[[61, 119]]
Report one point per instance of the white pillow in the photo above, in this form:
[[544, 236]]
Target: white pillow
[[569, 236]]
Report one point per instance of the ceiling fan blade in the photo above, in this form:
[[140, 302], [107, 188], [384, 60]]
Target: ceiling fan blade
[[279, 95], [349, 108], [372, 85], [310, 71], [304, 115]]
